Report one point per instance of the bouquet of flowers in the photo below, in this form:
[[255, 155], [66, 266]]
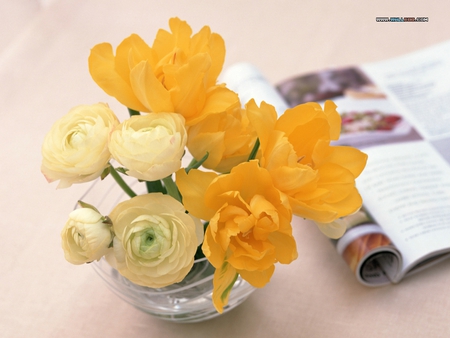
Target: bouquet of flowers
[[250, 171]]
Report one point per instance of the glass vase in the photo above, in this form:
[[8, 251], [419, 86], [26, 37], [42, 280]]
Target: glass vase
[[186, 302]]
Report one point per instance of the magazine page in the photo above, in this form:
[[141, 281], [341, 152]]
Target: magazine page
[[406, 187], [247, 80], [419, 85], [369, 116]]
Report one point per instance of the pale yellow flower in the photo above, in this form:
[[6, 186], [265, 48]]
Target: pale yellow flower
[[155, 241], [149, 146], [86, 236], [75, 150]]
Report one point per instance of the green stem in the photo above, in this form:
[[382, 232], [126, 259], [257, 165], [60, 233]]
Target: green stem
[[171, 188], [155, 186], [121, 182], [254, 150], [133, 112]]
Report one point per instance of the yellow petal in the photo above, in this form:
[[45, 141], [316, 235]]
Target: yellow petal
[[316, 212], [149, 90], [202, 143], [285, 247], [181, 32], [305, 137], [190, 93], [130, 52], [165, 42], [223, 282], [102, 69], [257, 278], [263, 120], [334, 119], [210, 247], [350, 158], [334, 229], [213, 44], [296, 116], [292, 180], [218, 99], [193, 187]]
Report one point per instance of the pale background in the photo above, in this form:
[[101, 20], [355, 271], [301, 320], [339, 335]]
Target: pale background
[[43, 73]]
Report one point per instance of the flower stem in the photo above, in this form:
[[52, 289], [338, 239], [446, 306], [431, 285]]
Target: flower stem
[[254, 150], [155, 186], [171, 188], [121, 182]]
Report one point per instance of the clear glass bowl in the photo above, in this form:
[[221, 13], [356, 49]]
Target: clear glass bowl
[[186, 302]]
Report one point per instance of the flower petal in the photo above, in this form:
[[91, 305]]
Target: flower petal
[[102, 68], [193, 187], [224, 278], [149, 90]]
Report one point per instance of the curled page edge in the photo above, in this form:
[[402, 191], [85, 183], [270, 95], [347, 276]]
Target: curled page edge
[[370, 254]]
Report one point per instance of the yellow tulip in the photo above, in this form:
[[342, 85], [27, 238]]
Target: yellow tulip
[[249, 229], [227, 137], [318, 178], [177, 74]]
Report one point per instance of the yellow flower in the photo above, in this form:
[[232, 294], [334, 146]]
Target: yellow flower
[[249, 229], [177, 74], [155, 240], [149, 146], [85, 237], [75, 150], [318, 178], [226, 136]]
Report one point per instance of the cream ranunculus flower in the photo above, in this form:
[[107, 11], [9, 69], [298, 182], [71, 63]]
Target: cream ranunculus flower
[[76, 148], [86, 236], [150, 146], [155, 241]]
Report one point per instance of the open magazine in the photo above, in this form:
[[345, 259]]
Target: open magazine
[[398, 112]]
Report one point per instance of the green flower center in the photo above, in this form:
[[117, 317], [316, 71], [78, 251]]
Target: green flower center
[[150, 237]]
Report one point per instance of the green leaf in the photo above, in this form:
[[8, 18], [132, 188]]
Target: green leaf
[[122, 170], [254, 150], [196, 164], [105, 173], [133, 112]]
